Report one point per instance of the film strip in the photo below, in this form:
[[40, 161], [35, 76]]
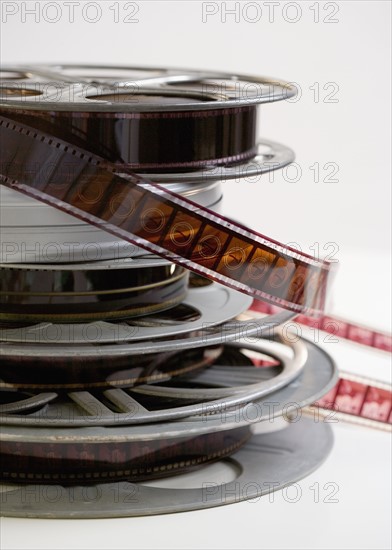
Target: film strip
[[163, 223], [72, 139], [358, 400], [61, 238], [353, 399], [338, 327]]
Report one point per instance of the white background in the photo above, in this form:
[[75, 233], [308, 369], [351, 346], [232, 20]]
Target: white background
[[351, 57]]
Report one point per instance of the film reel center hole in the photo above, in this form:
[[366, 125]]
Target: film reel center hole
[[218, 473]]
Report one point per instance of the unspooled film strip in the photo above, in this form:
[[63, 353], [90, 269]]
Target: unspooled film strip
[[353, 399], [149, 216], [357, 400], [338, 327]]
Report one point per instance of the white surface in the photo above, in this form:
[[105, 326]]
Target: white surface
[[357, 521], [354, 213]]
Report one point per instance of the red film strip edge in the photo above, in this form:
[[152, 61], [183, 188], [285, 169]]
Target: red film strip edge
[[337, 327], [358, 400], [304, 278]]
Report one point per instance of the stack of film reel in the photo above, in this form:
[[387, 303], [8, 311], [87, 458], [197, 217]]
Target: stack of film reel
[[131, 348]]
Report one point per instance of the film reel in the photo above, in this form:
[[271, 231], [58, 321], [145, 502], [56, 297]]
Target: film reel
[[81, 242], [239, 389], [285, 456], [204, 306], [80, 439], [210, 117], [41, 353], [78, 182]]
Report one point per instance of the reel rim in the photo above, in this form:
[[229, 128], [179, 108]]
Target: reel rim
[[278, 90]]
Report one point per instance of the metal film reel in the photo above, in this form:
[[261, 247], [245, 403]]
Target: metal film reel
[[210, 117], [286, 456], [203, 307], [230, 389]]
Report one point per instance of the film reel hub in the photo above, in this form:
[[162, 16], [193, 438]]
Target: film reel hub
[[210, 118]]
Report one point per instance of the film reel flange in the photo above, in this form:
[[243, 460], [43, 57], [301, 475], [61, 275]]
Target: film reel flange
[[86, 85]]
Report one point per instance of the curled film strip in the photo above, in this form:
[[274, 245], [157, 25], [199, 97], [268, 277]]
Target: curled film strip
[[38, 161], [62, 238], [338, 327], [357, 400], [354, 398]]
